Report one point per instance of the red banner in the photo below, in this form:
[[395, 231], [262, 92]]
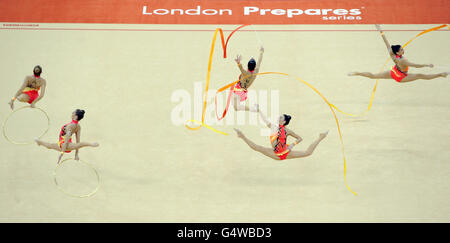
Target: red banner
[[226, 11]]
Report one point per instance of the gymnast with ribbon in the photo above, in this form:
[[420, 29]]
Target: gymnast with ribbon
[[399, 72], [29, 91], [65, 144], [246, 79], [280, 149]]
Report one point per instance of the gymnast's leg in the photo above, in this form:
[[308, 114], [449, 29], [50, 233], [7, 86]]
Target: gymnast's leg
[[266, 151], [309, 151], [236, 100], [74, 146], [414, 76], [22, 98], [48, 145], [382, 75]]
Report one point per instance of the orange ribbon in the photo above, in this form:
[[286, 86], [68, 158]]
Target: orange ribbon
[[208, 74]]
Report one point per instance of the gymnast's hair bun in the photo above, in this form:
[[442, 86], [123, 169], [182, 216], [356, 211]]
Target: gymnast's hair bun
[[395, 48], [251, 64], [287, 119], [80, 114]]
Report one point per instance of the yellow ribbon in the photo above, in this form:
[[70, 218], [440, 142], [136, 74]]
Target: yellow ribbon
[[202, 124], [208, 76]]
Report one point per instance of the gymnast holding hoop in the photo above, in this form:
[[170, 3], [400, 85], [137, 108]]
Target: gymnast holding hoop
[[29, 91], [65, 144]]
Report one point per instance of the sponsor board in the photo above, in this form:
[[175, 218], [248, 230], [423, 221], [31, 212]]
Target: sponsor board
[[226, 11]]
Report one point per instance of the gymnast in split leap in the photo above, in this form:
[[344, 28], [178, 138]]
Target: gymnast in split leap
[[65, 144], [399, 71], [280, 150]]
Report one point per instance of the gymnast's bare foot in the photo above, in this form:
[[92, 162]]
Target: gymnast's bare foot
[[11, 104], [239, 133], [323, 135]]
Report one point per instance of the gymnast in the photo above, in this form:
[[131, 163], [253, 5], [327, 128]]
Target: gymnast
[[280, 150], [29, 91], [399, 71], [65, 144]]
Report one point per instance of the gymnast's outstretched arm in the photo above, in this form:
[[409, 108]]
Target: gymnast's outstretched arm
[[258, 64], [24, 85], [238, 61], [264, 118], [408, 63], [386, 42]]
